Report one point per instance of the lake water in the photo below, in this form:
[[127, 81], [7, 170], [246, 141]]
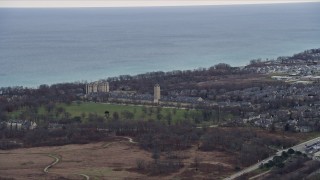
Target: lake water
[[45, 46]]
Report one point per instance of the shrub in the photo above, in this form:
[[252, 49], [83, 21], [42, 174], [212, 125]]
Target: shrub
[[290, 151], [284, 155], [140, 164]]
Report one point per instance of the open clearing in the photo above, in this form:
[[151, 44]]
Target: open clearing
[[97, 160], [104, 160], [115, 158], [138, 111]]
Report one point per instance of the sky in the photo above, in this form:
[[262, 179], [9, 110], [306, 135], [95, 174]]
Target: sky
[[131, 3]]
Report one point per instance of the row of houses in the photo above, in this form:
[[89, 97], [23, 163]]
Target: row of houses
[[19, 125]]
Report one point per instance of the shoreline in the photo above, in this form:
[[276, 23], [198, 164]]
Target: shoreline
[[35, 86], [137, 3]]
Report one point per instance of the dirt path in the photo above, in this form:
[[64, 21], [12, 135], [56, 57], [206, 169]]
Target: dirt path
[[129, 139], [125, 137], [46, 169], [56, 161], [85, 176]]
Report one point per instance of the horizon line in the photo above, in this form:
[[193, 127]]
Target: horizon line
[[136, 3]]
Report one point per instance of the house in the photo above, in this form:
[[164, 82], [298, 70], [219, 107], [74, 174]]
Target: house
[[200, 99], [264, 123], [19, 125], [304, 129]]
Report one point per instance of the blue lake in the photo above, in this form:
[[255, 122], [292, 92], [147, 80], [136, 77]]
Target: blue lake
[[45, 46]]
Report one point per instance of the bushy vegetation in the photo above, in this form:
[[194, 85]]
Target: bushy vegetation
[[251, 146], [69, 134], [294, 168]]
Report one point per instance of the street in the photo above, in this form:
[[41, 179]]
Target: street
[[299, 147]]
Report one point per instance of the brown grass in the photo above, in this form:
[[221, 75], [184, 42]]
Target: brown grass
[[116, 159], [95, 159], [227, 80], [103, 160]]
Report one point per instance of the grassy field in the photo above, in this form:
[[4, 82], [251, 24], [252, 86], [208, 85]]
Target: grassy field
[[139, 112], [136, 112]]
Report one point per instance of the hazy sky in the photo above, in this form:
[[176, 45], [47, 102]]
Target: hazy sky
[[133, 3]]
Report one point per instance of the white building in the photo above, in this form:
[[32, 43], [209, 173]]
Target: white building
[[97, 87], [157, 95]]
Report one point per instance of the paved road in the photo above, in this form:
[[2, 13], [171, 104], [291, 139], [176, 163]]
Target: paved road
[[143, 105], [299, 147]]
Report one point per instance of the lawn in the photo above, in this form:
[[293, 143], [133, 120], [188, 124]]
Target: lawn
[[131, 112], [139, 112]]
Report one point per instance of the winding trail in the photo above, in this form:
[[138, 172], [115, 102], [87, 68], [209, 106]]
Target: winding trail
[[85, 176], [56, 161], [129, 139], [46, 169]]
